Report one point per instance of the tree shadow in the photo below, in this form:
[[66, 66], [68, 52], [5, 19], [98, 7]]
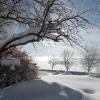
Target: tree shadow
[[88, 91], [40, 90]]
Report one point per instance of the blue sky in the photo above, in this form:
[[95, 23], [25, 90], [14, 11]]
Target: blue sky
[[92, 37]]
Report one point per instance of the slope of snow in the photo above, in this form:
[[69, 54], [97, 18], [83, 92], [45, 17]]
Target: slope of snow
[[55, 87], [88, 86], [40, 90]]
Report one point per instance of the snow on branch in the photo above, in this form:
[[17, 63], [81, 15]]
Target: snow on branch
[[36, 20]]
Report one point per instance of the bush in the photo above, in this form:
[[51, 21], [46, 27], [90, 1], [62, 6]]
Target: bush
[[27, 70]]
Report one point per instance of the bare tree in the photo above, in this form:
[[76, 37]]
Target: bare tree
[[52, 62], [68, 59], [90, 58], [24, 21]]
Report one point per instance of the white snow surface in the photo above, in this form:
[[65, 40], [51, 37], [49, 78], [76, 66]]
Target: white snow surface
[[55, 87]]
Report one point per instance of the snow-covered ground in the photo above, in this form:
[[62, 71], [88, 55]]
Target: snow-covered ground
[[88, 86], [55, 87]]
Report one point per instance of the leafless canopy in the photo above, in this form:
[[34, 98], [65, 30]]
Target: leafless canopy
[[68, 59], [90, 58], [35, 20]]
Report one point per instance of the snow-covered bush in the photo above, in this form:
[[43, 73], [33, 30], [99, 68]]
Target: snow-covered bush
[[16, 66]]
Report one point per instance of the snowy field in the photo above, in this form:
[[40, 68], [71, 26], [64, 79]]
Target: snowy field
[[55, 87]]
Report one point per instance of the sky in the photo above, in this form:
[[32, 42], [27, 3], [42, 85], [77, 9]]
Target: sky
[[42, 51]]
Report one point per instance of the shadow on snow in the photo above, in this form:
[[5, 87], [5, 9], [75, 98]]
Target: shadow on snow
[[40, 90]]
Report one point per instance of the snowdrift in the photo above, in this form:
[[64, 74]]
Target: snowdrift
[[55, 87], [40, 90]]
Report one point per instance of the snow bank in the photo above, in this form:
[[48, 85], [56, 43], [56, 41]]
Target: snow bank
[[52, 87], [40, 90], [87, 85]]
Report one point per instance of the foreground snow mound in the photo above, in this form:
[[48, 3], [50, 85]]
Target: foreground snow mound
[[40, 90]]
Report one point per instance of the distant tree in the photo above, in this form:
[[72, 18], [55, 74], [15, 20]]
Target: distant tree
[[52, 62], [68, 59], [90, 58]]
